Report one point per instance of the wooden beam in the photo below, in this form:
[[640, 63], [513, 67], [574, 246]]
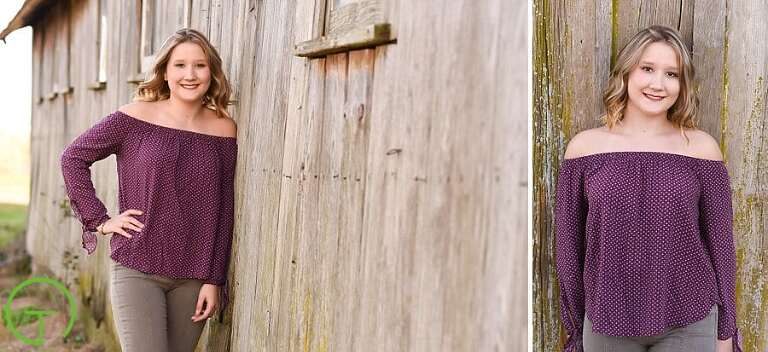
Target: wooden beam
[[66, 90], [136, 78], [363, 37], [97, 85]]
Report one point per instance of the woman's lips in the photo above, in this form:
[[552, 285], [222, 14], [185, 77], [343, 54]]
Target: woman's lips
[[653, 97]]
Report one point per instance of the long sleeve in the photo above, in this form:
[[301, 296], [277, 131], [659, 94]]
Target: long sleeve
[[98, 142], [223, 245], [570, 222], [716, 226]]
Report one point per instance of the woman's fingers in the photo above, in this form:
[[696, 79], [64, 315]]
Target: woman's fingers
[[134, 221], [133, 212], [132, 227], [199, 308], [127, 218], [123, 233], [206, 305], [201, 316], [126, 214], [207, 312]]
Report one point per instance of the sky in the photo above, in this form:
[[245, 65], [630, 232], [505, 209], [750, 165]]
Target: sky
[[15, 99], [15, 67]]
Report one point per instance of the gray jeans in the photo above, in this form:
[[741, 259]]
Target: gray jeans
[[153, 312], [699, 336]]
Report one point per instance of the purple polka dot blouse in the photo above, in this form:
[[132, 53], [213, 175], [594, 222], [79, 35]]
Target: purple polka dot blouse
[[183, 181], [644, 243]]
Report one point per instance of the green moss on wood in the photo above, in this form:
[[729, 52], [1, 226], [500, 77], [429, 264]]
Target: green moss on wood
[[552, 123], [101, 332], [308, 322], [566, 105], [85, 285], [750, 285], [567, 113], [749, 227], [724, 97]]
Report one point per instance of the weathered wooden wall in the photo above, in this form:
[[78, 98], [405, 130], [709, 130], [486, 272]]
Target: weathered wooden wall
[[381, 193], [574, 47]]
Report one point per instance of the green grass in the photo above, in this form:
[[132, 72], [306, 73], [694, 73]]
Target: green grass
[[13, 221]]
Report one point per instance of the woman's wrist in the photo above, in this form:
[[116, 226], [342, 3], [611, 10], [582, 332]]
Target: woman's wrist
[[100, 227]]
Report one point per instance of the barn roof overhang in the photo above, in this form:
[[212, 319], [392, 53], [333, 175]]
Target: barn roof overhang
[[29, 13]]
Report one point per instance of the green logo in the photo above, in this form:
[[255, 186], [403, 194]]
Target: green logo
[[37, 314]]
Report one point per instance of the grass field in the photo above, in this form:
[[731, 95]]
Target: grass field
[[13, 218], [14, 168], [13, 221]]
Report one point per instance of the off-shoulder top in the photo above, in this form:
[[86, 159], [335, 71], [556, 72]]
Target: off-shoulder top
[[182, 180], [644, 242]]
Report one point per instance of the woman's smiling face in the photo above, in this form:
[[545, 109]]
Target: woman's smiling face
[[654, 83], [187, 72]]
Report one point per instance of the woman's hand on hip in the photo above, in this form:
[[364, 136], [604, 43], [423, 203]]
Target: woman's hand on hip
[[207, 302], [119, 223]]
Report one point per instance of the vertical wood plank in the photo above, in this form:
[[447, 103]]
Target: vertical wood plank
[[709, 55], [324, 237], [200, 16], [274, 128], [375, 269], [747, 142], [48, 76], [38, 34], [635, 15], [503, 298], [352, 178], [216, 21], [146, 30], [553, 122], [302, 318], [250, 321]]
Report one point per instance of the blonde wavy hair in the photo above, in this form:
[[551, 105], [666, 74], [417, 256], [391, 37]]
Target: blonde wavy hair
[[155, 87], [683, 112]]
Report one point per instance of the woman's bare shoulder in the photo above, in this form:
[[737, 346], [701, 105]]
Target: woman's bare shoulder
[[141, 110], [586, 142], [703, 145], [221, 126]]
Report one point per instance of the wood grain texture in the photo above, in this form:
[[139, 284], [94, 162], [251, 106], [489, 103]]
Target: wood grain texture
[[354, 38], [354, 14], [355, 136], [635, 15], [552, 124], [732, 93], [747, 142], [501, 292], [709, 57]]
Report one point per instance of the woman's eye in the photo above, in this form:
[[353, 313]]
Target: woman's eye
[[179, 65], [201, 65], [672, 74], [646, 68]]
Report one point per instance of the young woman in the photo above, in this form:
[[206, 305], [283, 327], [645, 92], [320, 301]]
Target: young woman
[[176, 153], [644, 243]]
